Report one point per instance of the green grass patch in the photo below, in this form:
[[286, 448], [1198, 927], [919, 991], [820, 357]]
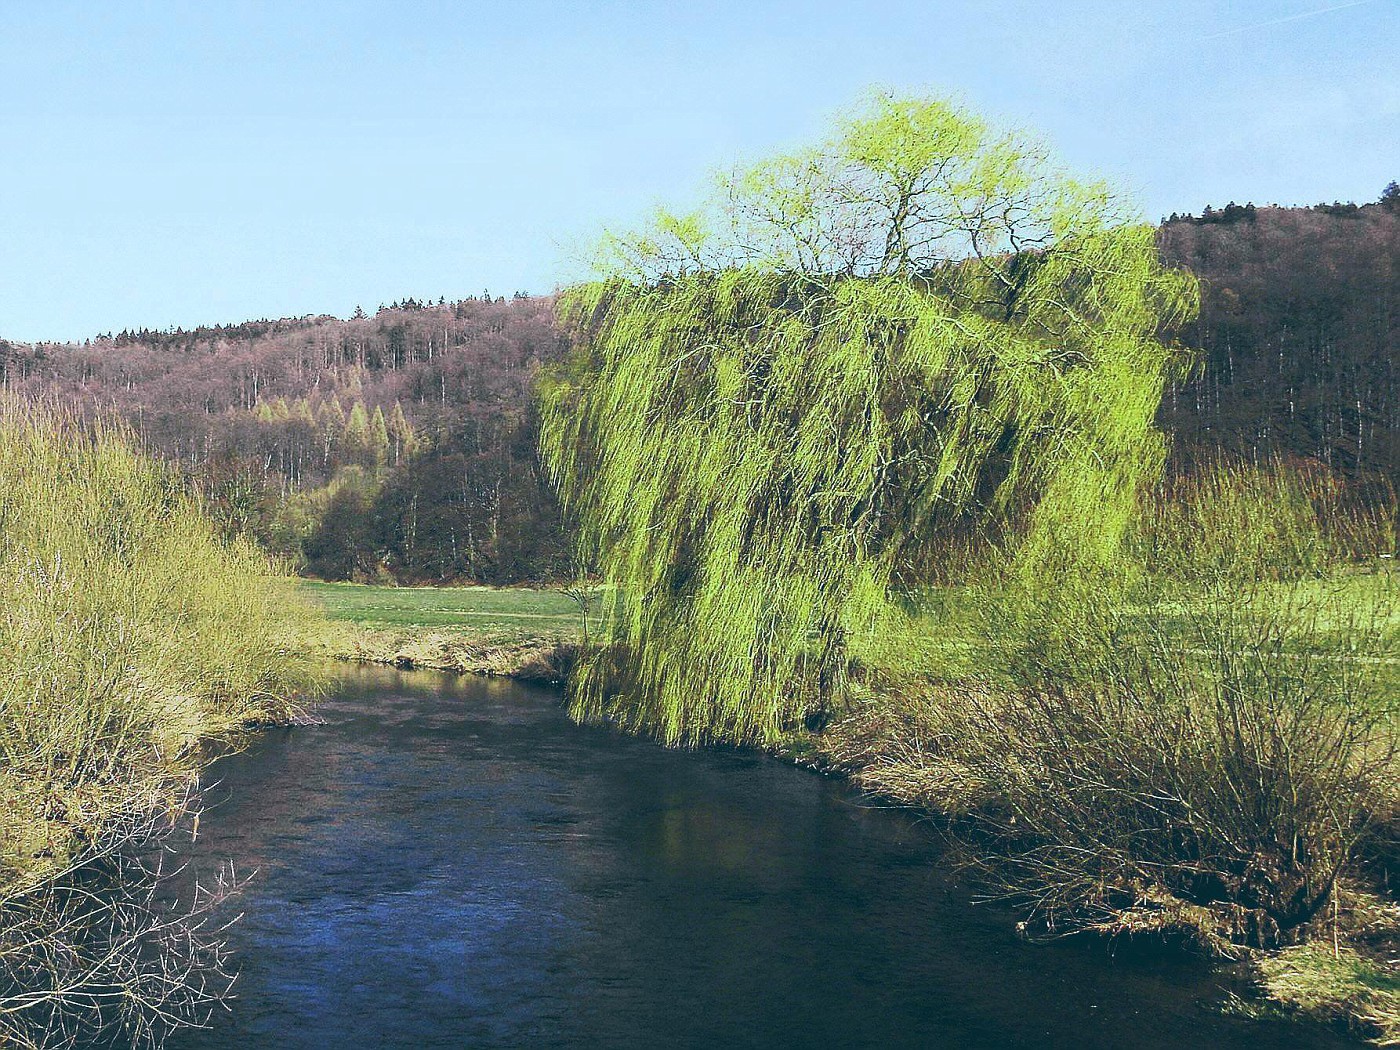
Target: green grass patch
[[520, 611], [519, 632], [1351, 615], [1318, 982]]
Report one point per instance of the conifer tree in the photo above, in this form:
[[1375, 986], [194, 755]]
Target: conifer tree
[[400, 433], [378, 437], [357, 435], [301, 412], [332, 420]]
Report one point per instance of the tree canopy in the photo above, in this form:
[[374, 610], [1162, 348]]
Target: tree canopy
[[791, 398]]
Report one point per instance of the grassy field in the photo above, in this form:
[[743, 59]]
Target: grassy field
[[520, 632], [470, 610], [938, 628]]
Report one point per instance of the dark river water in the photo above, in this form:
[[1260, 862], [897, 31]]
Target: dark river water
[[450, 862]]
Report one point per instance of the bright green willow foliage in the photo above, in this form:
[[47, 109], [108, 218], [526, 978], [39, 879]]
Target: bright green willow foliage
[[784, 404]]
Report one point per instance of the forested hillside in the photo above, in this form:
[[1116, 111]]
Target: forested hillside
[[396, 445], [403, 445], [1300, 313]]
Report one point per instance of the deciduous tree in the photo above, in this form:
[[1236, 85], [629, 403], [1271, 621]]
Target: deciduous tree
[[785, 399]]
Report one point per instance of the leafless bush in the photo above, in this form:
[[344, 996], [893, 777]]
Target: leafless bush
[[104, 950], [1221, 787]]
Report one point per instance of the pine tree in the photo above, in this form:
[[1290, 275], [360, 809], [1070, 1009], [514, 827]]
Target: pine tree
[[356, 438], [331, 418], [401, 433], [301, 412], [378, 437]]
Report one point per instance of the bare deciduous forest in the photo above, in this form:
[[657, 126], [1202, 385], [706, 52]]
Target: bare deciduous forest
[[401, 445]]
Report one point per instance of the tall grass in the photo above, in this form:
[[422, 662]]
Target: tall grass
[[130, 634], [1280, 521]]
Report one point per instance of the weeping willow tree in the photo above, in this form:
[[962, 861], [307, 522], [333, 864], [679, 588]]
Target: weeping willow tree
[[830, 375]]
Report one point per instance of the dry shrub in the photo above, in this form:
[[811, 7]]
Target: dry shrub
[[1244, 792], [1201, 738], [104, 952], [896, 746], [1220, 795]]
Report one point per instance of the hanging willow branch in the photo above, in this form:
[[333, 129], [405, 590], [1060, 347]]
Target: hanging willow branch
[[781, 404]]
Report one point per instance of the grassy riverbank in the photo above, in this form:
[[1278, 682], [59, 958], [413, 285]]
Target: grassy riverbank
[[519, 632]]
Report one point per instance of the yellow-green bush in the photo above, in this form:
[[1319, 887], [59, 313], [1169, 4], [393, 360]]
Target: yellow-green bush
[[129, 633]]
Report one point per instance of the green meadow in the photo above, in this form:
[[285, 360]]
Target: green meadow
[[520, 611]]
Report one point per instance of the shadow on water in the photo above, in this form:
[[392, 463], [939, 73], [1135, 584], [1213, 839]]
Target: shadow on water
[[450, 862]]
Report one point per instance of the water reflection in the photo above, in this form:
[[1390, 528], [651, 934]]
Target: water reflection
[[449, 862]]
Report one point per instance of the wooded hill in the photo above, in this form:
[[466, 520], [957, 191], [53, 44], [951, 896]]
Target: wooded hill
[[1300, 312], [395, 445], [402, 445]]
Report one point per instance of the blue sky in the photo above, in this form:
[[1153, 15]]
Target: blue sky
[[176, 164]]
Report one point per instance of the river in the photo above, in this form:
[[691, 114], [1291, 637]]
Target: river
[[450, 862]]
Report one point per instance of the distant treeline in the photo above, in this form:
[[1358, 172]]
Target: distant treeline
[[1300, 312], [403, 445]]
